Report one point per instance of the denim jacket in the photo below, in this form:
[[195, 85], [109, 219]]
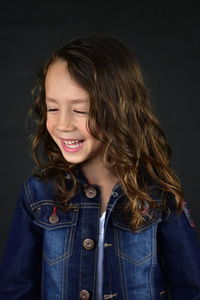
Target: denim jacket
[[52, 255]]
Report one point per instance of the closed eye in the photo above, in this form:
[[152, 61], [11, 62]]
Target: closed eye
[[80, 112], [52, 109]]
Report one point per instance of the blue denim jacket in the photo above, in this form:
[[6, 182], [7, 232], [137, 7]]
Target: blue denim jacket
[[56, 258]]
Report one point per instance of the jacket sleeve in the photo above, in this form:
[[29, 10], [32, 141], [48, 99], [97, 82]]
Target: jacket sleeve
[[180, 250], [20, 271]]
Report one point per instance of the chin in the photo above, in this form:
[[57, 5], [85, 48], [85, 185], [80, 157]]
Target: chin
[[73, 160]]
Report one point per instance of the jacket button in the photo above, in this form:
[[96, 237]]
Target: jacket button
[[88, 244], [84, 295], [53, 219], [90, 192]]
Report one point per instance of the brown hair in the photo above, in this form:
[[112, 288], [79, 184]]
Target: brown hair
[[136, 148]]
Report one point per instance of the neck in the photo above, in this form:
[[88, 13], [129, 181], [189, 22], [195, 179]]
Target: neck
[[97, 173]]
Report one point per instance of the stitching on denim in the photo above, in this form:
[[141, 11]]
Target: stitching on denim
[[111, 206], [88, 203], [123, 280], [28, 196], [63, 274], [151, 275], [135, 262], [65, 270], [52, 202], [80, 283], [59, 225], [70, 250], [55, 260], [156, 219], [124, 289], [137, 231], [66, 265], [37, 204], [49, 226], [27, 190], [64, 283], [88, 206], [93, 205], [95, 258], [110, 273], [64, 256]]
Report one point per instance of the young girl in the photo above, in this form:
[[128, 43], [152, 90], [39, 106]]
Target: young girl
[[103, 217]]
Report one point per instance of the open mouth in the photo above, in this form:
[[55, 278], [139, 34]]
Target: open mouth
[[73, 145]]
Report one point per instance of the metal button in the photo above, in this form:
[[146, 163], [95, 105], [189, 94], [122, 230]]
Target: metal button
[[90, 192], [88, 244], [84, 295], [53, 219]]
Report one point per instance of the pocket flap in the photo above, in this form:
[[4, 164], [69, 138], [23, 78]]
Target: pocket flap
[[63, 218], [119, 220]]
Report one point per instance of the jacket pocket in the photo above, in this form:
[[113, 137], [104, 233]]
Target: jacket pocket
[[58, 234], [135, 246]]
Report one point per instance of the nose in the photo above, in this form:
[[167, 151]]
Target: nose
[[65, 122]]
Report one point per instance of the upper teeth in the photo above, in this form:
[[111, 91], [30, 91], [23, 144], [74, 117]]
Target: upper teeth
[[71, 142]]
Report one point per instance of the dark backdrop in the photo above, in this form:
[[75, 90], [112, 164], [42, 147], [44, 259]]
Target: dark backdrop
[[165, 38]]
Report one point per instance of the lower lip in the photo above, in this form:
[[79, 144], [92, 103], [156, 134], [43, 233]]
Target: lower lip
[[71, 150]]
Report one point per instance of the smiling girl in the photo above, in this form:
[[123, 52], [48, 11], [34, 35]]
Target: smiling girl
[[103, 216]]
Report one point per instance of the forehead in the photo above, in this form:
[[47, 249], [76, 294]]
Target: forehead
[[59, 84]]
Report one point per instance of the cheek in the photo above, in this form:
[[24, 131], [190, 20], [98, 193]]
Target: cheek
[[49, 126], [95, 128], [96, 144], [82, 127]]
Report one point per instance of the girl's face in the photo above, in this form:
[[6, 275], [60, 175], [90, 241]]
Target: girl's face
[[67, 114]]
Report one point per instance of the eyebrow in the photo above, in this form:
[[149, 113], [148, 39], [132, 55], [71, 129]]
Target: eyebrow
[[71, 100]]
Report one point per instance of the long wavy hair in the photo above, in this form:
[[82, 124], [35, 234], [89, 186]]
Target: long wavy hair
[[136, 149]]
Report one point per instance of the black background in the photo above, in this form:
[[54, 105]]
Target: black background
[[165, 38]]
